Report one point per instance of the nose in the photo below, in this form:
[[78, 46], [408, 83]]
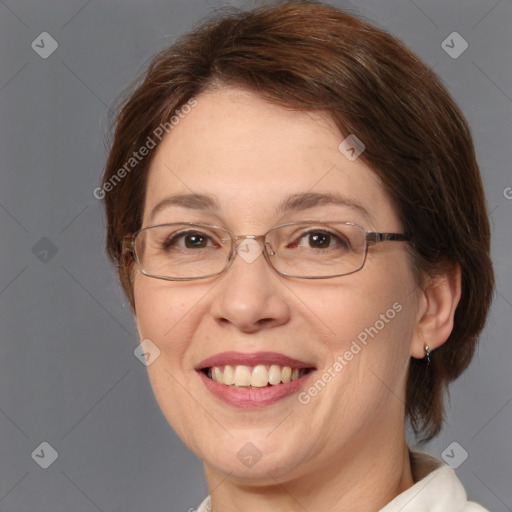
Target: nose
[[251, 295]]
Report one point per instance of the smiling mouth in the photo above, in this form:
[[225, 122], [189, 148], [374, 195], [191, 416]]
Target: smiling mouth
[[259, 376]]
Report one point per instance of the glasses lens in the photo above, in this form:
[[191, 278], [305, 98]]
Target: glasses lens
[[182, 251], [320, 249]]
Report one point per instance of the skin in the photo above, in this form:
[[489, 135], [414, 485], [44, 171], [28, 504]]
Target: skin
[[345, 450]]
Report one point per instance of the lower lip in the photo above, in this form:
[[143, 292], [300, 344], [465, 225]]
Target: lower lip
[[254, 397]]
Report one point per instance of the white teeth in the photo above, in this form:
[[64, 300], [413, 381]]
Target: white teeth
[[217, 374], [228, 377], [286, 374], [258, 376], [274, 375], [242, 376]]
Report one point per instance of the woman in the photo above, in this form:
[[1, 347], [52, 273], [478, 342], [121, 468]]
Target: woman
[[298, 220]]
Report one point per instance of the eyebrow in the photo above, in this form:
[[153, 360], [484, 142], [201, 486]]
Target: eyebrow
[[292, 203], [191, 201], [309, 200]]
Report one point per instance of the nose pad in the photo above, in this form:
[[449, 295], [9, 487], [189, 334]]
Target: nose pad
[[249, 249], [270, 251]]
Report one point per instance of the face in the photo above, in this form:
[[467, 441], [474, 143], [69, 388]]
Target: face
[[353, 332]]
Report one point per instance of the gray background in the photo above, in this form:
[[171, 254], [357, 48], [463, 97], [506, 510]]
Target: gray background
[[68, 373]]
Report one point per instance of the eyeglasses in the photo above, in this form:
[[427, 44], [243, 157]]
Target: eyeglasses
[[306, 249]]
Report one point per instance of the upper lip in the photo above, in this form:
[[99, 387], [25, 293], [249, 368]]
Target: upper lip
[[252, 359]]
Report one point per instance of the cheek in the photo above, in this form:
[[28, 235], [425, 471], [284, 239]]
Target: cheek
[[350, 313], [367, 351], [163, 315], [369, 321]]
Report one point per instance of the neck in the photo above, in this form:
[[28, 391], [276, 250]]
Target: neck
[[365, 477]]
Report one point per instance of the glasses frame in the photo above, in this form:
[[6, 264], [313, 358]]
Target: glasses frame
[[371, 238]]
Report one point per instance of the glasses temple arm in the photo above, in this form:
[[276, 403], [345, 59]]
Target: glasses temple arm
[[375, 237], [127, 245]]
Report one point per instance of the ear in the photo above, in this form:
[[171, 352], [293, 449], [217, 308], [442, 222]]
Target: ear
[[436, 310]]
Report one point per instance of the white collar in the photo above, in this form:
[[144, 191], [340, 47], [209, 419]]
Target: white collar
[[437, 489]]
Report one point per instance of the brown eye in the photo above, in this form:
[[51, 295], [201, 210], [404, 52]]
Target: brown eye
[[187, 240], [319, 239]]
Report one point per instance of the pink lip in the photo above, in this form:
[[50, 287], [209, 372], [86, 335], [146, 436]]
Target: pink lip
[[253, 359], [254, 398]]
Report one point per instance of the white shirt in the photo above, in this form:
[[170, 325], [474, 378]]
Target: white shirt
[[437, 489]]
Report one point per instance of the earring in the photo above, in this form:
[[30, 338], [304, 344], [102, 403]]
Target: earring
[[427, 354]]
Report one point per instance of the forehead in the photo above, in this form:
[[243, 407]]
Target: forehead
[[252, 157]]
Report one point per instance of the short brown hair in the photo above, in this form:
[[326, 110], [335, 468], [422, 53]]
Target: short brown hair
[[309, 56]]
